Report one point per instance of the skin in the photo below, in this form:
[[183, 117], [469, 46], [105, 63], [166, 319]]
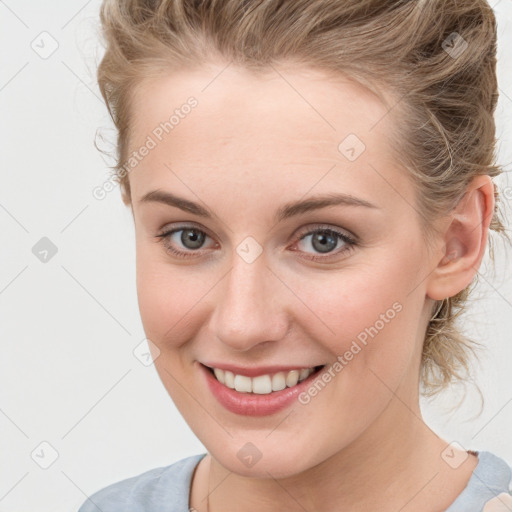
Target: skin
[[251, 145]]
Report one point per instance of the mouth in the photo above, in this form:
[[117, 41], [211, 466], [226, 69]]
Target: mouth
[[264, 384]]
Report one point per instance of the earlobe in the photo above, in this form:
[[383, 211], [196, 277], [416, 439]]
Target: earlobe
[[464, 241]]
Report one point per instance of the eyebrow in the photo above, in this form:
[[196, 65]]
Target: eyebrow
[[284, 212]]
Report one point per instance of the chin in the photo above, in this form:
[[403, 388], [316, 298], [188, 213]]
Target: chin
[[246, 459]]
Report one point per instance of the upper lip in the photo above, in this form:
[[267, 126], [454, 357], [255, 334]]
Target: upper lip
[[254, 371]]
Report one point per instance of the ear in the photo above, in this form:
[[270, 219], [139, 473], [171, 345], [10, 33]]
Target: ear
[[464, 239]]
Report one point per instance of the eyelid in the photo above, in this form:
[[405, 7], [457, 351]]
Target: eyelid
[[184, 254], [347, 237], [327, 227], [350, 242], [173, 227], [298, 234]]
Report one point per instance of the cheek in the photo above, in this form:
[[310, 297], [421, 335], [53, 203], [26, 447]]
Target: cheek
[[347, 303], [367, 315], [166, 293], [168, 299], [367, 306]]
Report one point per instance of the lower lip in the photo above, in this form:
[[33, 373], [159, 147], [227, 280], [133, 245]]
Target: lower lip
[[252, 404]]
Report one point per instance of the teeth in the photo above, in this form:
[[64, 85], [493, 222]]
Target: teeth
[[278, 381], [229, 379], [243, 384], [292, 378], [263, 384], [219, 374], [304, 373]]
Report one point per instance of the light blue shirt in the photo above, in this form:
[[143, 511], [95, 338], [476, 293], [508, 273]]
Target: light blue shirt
[[167, 489]]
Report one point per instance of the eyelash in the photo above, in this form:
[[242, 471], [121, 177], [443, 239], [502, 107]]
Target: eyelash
[[349, 241]]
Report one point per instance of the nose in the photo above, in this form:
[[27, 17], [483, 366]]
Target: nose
[[249, 308]]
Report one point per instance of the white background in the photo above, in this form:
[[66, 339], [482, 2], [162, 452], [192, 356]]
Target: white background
[[68, 327]]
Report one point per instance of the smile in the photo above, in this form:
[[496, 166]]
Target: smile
[[263, 384], [257, 391]]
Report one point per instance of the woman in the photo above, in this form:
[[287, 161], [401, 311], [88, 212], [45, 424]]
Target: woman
[[311, 186]]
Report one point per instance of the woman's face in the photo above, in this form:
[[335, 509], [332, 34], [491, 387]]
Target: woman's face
[[263, 285]]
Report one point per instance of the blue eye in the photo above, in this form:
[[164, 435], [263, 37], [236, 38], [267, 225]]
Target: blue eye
[[324, 240]]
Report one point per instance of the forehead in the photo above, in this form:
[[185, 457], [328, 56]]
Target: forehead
[[289, 122], [305, 99]]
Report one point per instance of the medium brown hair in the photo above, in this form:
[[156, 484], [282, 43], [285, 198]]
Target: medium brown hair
[[436, 57]]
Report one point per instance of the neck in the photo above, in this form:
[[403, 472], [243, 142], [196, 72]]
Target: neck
[[402, 470]]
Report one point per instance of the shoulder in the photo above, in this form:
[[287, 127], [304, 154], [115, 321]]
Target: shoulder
[[489, 487], [164, 489]]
